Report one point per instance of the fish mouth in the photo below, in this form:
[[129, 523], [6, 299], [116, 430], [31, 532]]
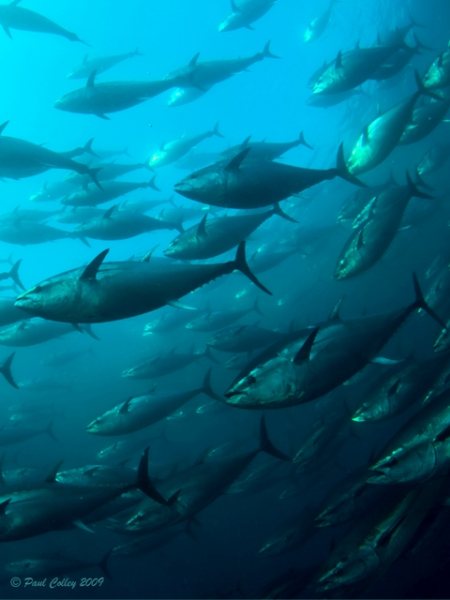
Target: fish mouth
[[184, 188], [24, 302], [379, 476], [224, 26], [359, 417]]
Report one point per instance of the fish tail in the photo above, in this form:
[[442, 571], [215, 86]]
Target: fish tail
[[342, 169], [14, 274], [103, 564], [144, 482], [207, 387], [152, 184], [267, 52], [51, 433], [240, 263], [87, 148], [5, 370], [266, 445], [302, 141], [421, 303], [93, 174], [216, 130]]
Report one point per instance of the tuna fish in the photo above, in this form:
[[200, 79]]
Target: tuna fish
[[242, 183], [100, 99], [103, 292], [212, 237], [13, 16], [203, 75], [372, 238], [116, 224], [318, 25], [244, 13], [139, 412], [19, 159], [316, 364], [99, 64], [172, 151], [382, 135]]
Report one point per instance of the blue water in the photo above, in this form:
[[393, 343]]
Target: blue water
[[268, 102]]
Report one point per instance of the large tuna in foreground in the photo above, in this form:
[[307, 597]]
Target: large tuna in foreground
[[104, 292]]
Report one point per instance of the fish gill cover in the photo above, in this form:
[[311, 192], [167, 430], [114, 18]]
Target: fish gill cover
[[224, 302]]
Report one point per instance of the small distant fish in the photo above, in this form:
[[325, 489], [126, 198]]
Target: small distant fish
[[99, 64], [318, 25], [245, 13], [13, 16], [172, 151]]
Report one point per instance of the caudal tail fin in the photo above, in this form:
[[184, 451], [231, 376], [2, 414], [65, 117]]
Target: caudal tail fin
[[5, 370], [103, 564], [93, 174], [14, 274], [51, 433], [145, 484], [207, 387], [302, 141], [87, 148], [267, 52], [152, 184], [342, 169], [240, 263], [266, 445], [216, 131], [421, 303]]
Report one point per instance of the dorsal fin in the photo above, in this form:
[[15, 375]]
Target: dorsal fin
[[194, 59], [126, 406], [148, 256], [201, 227], [51, 477], [3, 506], [335, 313], [393, 389], [90, 83], [305, 351], [365, 135], [107, 214], [360, 239], [90, 272], [236, 161], [3, 126], [246, 141]]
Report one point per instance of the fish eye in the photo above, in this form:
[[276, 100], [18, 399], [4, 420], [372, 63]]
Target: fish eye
[[251, 379]]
